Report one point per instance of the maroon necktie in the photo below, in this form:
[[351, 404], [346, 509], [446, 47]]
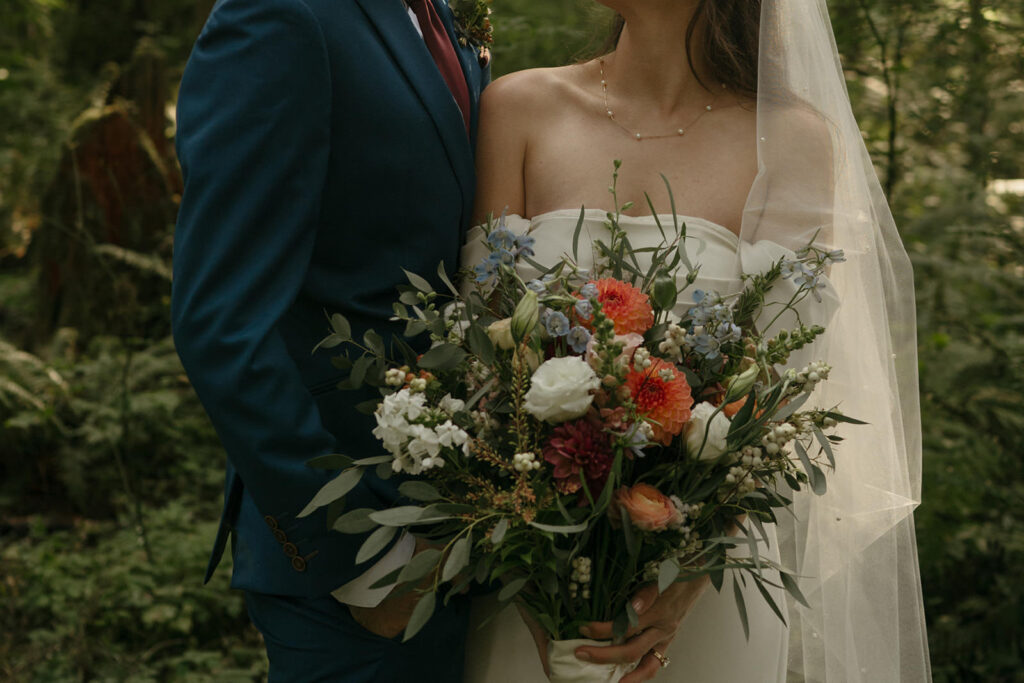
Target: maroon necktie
[[443, 52]]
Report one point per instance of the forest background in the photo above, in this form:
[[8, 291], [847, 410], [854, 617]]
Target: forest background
[[110, 473]]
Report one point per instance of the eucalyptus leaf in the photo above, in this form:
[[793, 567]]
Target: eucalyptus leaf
[[480, 343], [359, 369], [333, 490], [813, 473], [458, 558], [384, 471], [769, 599], [419, 490], [741, 606], [414, 328], [442, 357], [573, 529], [418, 282], [341, 327], [826, 446], [374, 543], [421, 564], [328, 342], [374, 342], [443, 274], [332, 461], [510, 589], [355, 522], [790, 584], [389, 579], [668, 572], [374, 460], [420, 615], [499, 531], [791, 407], [398, 516], [368, 407]]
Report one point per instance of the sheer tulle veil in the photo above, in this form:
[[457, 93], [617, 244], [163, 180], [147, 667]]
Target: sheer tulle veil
[[853, 547]]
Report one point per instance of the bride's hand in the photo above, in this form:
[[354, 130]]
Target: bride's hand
[[660, 616]]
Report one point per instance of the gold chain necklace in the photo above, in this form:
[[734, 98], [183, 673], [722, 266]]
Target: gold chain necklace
[[636, 135]]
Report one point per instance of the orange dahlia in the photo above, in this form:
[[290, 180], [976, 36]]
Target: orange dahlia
[[625, 305], [664, 402]]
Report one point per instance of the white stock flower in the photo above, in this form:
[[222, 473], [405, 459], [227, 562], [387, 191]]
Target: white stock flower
[[452, 436], [561, 389], [717, 429], [451, 405]]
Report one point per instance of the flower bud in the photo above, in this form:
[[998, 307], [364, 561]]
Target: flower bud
[[500, 333], [525, 317], [741, 384]]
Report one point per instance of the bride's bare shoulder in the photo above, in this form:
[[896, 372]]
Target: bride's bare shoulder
[[532, 93]]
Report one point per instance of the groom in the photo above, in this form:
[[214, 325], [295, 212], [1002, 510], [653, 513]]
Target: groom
[[326, 145]]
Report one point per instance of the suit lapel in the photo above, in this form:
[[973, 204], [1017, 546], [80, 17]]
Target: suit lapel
[[413, 58], [467, 59]]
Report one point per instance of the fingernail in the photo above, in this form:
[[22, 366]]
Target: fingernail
[[583, 655], [585, 631], [638, 605]]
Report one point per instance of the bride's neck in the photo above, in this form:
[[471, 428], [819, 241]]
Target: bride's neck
[[650, 62]]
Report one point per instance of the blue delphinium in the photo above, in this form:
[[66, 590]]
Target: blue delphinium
[[501, 237], [578, 339], [728, 332], [536, 286], [589, 291], [705, 344], [584, 309], [557, 324], [524, 245], [484, 270]]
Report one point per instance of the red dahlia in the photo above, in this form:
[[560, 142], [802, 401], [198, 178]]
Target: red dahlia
[[578, 447]]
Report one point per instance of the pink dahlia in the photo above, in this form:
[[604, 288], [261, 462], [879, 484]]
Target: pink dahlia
[[576, 447]]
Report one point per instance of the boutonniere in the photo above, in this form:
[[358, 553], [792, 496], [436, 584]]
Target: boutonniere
[[473, 26]]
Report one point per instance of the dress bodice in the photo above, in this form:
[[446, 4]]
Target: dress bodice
[[714, 247], [719, 253]]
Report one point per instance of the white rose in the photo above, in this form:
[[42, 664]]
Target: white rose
[[560, 389], [717, 432]]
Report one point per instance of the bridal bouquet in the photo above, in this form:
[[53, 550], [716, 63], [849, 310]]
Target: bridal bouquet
[[575, 436]]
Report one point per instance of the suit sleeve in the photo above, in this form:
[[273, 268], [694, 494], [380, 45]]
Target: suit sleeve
[[253, 139]]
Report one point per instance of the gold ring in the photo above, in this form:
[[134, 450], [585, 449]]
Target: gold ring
[[665, 661]]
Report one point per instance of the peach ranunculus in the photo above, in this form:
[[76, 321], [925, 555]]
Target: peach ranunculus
[[731, 409], [649, 509]]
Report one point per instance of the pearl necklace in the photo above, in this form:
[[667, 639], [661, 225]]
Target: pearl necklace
[[636, 135]]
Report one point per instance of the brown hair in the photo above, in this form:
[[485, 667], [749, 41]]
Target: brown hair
[[729, 48]]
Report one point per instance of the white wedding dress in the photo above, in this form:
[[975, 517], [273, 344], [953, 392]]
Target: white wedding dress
[[709, 646]]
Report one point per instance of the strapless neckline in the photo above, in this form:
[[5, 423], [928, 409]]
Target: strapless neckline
[[666, 220]]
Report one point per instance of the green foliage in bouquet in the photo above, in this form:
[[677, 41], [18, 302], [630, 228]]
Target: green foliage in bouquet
[[577, 415]]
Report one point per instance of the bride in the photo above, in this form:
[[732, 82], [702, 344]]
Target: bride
[[741, 106]]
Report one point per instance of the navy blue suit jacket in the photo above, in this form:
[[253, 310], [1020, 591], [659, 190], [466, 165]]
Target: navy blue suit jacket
[[322, 152]]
